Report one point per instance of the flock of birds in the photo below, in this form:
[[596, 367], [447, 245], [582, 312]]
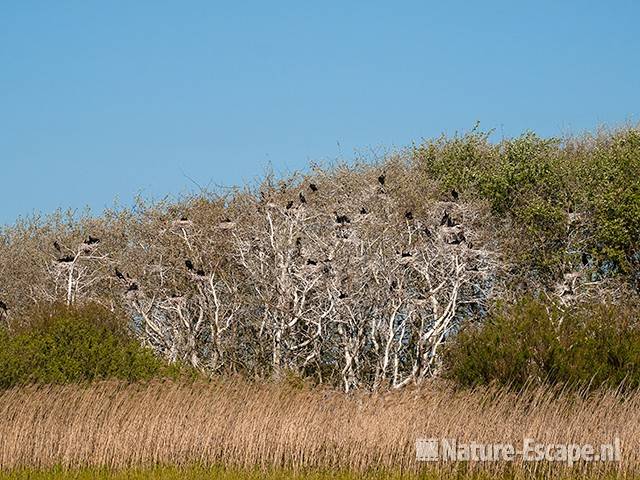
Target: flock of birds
[[341, 219], [454, 232]]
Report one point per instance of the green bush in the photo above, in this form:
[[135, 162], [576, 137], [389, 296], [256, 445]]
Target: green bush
[[62, 345], [553, 199], [536, 343]]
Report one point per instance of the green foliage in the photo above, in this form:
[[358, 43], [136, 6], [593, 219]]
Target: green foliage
[[616, 201], [553, 197], [62, 345], [533, 342]]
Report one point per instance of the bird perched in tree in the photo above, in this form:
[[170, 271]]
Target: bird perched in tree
[[289, 204], [92, 240], [585, 259], [311, 262], [457, 239], [56, 245], [454, 194], [313, 187], [119, 274], [133, 287], [381, 179], [363, 211], [191, 267], [408, 215], [447, 220], [66, 259], [302, 198], [342, 219], [3, 307], [454, 235]]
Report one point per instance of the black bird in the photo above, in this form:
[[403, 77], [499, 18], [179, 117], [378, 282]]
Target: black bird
[[200, 272], [454, 194], [119, 274], [342, 295], [3, 306], [405, 254], [189, 264], [56, 245], [66, 259], [184, 219], [381, 179], [408, 215], [289, 204], [302, 198], [458, 239], [311, 262], [342, 219], [92, 240], [133, 287], [447, 220], [363, 211], [585, 259], [313, 187]]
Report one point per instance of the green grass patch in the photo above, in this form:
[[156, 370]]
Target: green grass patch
[[219, 473]]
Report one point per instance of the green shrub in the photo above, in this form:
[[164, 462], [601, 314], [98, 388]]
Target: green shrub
[[61, 345], [534, 342], [552, 198]]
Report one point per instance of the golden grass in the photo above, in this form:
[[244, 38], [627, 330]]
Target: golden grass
[[266, 426]]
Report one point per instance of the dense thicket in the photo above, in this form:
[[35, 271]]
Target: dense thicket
[[533, 342], [563, 202], [62, 345], [352, 274]]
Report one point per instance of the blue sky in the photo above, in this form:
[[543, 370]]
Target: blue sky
[[104, 100]]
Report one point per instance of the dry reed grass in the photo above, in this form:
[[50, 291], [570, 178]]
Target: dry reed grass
[[268, 426]]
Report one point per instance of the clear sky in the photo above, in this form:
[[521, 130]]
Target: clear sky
[[106, 99]]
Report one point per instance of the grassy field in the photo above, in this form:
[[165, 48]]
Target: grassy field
[[117, 427], [200, 473], [190, 473]]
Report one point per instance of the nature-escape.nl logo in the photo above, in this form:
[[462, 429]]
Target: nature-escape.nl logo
[[450, 450]]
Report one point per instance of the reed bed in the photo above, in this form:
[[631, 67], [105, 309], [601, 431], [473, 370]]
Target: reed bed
[[253, 426]]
